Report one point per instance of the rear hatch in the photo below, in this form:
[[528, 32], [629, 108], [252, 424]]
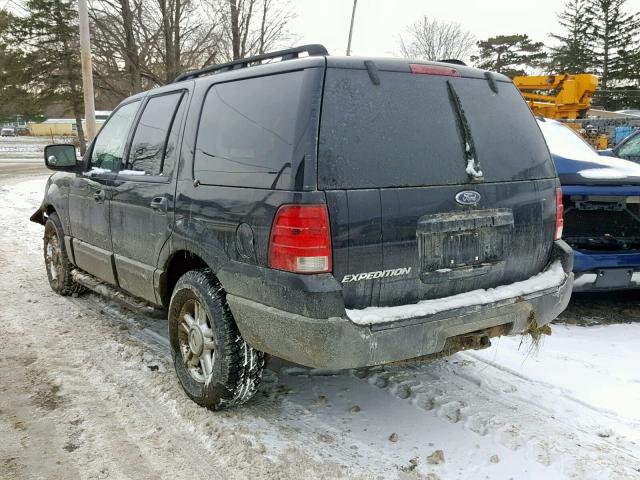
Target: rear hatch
[[437, 182]]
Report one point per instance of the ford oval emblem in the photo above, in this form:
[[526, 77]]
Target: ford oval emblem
[[468, 197]]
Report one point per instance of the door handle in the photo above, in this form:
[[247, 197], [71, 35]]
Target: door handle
[[99, 196], [159, 204]]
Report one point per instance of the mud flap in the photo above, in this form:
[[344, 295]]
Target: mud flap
[[38, 216]]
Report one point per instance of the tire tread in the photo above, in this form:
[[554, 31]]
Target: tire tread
[[69, 286], [245, 364]]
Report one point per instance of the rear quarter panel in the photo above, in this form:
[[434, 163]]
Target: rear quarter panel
[[232, 223]]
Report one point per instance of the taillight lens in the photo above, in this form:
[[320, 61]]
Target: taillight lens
[[301, 239], [433, 70], [559, 214]]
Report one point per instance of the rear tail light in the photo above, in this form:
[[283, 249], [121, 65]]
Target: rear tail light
[[433, 70], [301, 239], [559, 214]]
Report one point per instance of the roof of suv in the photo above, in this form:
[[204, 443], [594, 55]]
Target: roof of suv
[[404, 65], [317, 58], [243, 68]]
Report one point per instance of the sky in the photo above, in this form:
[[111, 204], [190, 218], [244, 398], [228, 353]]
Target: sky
[[379, 22]]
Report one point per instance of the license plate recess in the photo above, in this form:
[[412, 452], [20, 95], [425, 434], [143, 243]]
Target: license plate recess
[[463, 244]]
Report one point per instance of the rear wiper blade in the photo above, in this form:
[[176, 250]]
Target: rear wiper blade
[[473, 165]]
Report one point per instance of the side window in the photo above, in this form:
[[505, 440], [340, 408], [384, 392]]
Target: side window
[[631, 149], [247, 133], [152, 145], [108, 147]]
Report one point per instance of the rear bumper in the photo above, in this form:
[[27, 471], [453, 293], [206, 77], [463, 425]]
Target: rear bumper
[[602, 271], [337, 342]]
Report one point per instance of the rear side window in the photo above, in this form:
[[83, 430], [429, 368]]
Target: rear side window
[[248, 132], [406, 132], [152, 146]]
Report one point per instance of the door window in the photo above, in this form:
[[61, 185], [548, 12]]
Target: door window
[[631, 149], [154, 143], [109, 145]]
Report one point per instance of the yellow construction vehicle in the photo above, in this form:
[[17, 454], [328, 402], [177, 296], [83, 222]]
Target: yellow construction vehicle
[[561, 97], [567, 97]]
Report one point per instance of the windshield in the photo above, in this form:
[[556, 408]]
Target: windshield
[[566, 143]]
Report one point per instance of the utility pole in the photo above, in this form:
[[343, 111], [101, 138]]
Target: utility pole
[[87, 70], [353, 16]]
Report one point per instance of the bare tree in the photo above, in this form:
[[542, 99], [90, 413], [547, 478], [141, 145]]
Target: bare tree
[[140, 44], [116, 43], [255, 26], [429, 39], [124, 47]]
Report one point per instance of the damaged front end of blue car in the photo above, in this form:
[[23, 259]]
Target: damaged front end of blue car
[[601, 199]]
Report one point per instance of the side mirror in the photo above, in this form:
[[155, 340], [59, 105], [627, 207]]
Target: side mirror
[[61, 158]]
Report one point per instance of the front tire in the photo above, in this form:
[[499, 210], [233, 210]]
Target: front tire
[[215, 366], [56, 260]]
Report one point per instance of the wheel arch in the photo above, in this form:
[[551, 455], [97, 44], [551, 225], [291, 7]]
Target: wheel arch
[[179, 262]]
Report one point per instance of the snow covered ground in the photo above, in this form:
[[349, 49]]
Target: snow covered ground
[[87, 391], [26, 149]]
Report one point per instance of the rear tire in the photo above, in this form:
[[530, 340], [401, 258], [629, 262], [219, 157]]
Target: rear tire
[[215, 366], [56, 260]]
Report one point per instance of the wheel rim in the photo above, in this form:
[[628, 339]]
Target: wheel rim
[[195, 337], [53, 258]]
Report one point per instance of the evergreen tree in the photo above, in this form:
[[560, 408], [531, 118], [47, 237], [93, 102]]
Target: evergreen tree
[[574, 52], [615, 35], [509, 54], [15, 99], [48, 36]]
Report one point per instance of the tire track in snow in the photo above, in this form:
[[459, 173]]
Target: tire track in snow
[[486, 405]]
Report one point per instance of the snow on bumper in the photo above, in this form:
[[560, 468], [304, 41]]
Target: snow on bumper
[[553, 277], [339, 342]]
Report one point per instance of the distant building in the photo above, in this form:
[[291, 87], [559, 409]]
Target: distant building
[[62, 127]]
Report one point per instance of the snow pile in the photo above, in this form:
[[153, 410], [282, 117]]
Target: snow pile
[[96, 171], [552, 277], [595, 366], [612, 168], [473, 168], [100, 171]]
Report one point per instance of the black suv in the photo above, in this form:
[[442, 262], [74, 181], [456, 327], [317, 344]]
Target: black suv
[[335, 212]]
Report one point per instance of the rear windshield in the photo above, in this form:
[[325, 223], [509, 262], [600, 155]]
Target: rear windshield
[[408, 131]]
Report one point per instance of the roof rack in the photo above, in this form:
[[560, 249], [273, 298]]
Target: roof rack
[[288, 54]]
